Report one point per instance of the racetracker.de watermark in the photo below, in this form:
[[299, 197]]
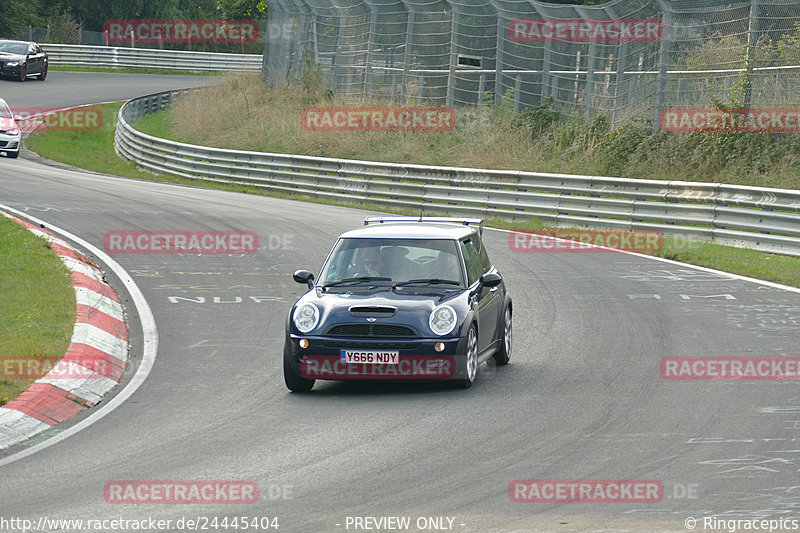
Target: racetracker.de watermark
[[181, 31], [733, 368], [586, 491], [54, 367], [413, 367], [712, 120], [180, 242], [42, 119], [378, 119], [585, 30], [181, 492], [556, 240]]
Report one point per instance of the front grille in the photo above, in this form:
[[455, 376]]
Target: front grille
[[3, 143], [371, 330], [375, 345]]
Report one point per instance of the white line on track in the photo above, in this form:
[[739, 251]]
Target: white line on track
[[150, 338], [670, 261]]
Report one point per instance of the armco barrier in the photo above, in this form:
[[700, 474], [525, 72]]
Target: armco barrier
[[753, 217], [120, 57]]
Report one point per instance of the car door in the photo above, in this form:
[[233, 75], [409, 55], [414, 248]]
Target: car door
[[487, 299], [41, 59], [33, 60]]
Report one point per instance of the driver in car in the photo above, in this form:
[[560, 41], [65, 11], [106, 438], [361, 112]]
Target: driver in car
[[370, 263]]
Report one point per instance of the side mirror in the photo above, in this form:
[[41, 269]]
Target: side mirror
[[491, 279], [304, 276], [17, 118]]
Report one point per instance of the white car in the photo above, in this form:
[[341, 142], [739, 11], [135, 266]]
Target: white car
[[10, 134]]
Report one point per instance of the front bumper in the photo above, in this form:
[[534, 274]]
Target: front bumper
[[418, 360], [10, 72], [10, 143]]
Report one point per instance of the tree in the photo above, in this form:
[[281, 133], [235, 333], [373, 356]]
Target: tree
[[243, 9], [18, 14]]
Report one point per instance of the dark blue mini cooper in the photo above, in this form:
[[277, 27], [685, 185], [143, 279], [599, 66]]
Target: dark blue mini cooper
[[401, 298]]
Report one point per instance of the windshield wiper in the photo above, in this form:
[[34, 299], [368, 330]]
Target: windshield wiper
[[428, 281], [356, 280]]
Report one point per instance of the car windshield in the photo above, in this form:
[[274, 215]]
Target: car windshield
[[403, 261], [5, 112], [11, 47]]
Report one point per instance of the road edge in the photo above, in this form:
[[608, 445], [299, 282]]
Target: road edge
[[100, 330]]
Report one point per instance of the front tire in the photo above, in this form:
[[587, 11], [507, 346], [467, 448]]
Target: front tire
[[43, 75], [294, 381], [12, 155], [23, 73], [503, 355], [469, 368]]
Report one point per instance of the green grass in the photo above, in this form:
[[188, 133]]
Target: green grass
[[91, 150], [70, 148], [37, 307], [751, 263], [68, 68]]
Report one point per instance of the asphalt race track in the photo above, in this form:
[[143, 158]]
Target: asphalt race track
[[582, 399]]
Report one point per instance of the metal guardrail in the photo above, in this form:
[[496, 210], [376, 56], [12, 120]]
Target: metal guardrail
[[752, 217], [120, 57]]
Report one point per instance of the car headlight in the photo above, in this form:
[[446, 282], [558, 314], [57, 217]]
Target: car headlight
[[443, 319], [12, 64], [306, 317]]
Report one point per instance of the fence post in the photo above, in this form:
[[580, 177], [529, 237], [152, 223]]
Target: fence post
[[498, 67], [481, 85], [298, 56], [451, 74], [368, 68], [407, 55], [421, 89], [314, 39], [546, 60], [517, 91], [577, 77], [590, 79], [663, 65], [264, 64], [622, 54], [752, 40], [338, 56]]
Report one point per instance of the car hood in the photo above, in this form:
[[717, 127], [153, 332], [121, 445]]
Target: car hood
[[7, 124], [5, 58], [413, 308]]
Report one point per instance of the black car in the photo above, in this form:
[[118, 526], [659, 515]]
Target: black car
[[402, 298], [21, 59]]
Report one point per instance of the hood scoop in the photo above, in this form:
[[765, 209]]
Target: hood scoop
[[377, 311]]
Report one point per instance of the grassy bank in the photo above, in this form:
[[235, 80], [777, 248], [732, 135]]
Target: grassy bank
[[259, 119], [37, 308], [256, 123]]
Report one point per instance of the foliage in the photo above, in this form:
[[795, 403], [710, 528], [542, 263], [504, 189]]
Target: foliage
[[64, 29], [538, 118], [18, 14]]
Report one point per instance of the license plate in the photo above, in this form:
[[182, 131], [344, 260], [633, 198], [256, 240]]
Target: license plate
[[375, 357]]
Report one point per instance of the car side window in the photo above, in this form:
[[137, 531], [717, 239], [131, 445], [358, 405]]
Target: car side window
[[472, 261], [486, 263]]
